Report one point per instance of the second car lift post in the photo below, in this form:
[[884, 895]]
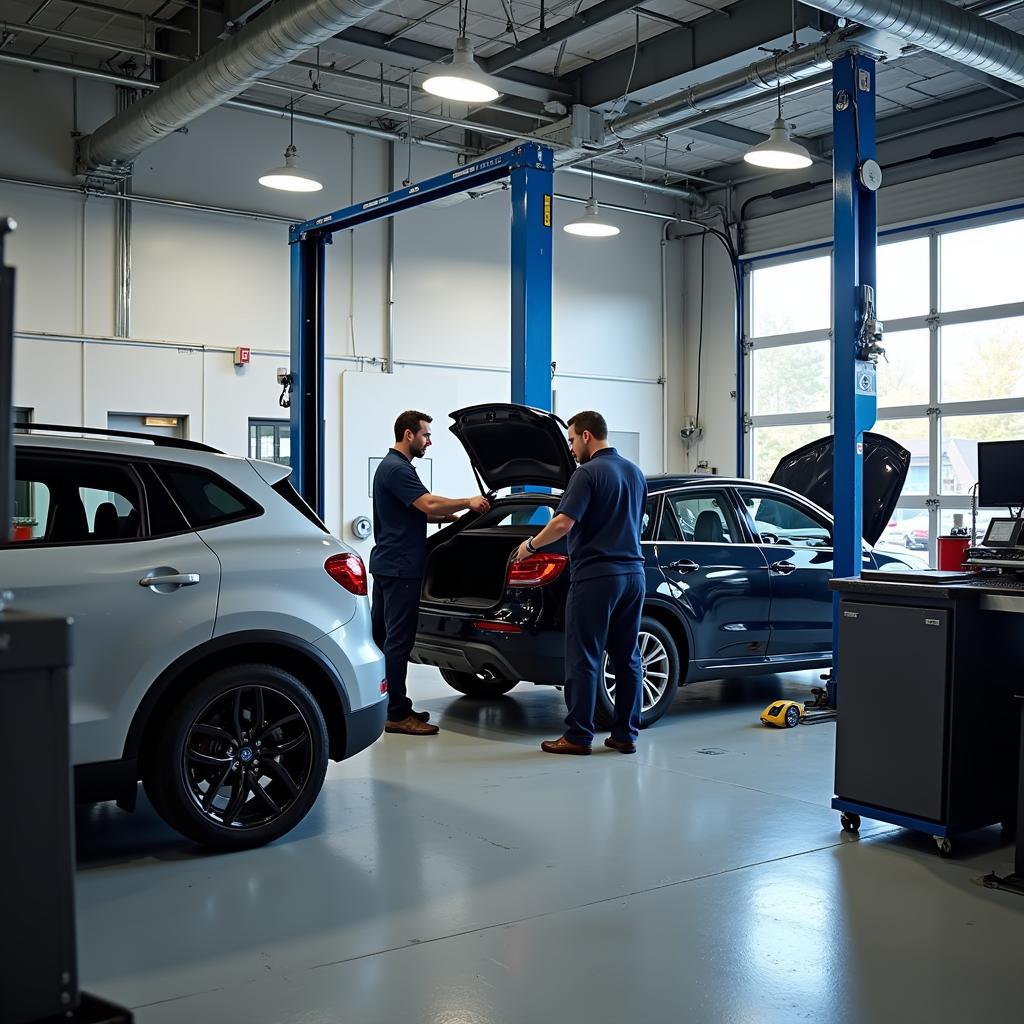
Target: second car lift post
[[853, 267], [531, 170]]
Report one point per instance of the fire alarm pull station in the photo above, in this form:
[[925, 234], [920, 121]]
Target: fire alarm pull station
[[243, 356]]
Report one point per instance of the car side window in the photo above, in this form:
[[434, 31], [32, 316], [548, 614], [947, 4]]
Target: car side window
[[647, 524], [702, 517], [780, 521], [205, 498], [75, 501]]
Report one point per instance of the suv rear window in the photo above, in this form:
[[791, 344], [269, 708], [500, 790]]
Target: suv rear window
[[205, 498], [287, 491]]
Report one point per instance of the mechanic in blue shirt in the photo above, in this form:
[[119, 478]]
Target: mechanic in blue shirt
[[602, 512], [402, 507]]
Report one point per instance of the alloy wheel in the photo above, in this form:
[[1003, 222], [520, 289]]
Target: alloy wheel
[[247, 757], [654, 662]]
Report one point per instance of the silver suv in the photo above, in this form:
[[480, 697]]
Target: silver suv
[[222, 642]]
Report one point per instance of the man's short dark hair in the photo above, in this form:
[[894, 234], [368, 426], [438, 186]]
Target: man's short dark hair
[[592, 421], [410, 420]]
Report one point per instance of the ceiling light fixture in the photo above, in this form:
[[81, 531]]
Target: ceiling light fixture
[[463, 79], [289, 178], [591, 224], [779, 152]]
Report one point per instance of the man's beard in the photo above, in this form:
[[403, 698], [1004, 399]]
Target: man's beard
[[584, 457], [418, 453]]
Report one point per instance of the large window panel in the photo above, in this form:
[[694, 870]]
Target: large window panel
[[960, 437], [983, 360], [981, 266], [903, 279], [791, 297], [791, 378], [771, 443], [913, 435], [903, 374]]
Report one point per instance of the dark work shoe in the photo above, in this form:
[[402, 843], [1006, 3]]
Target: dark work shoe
[[563, 746], [622, 746]]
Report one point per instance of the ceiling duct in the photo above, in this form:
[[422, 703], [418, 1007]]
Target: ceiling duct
[[940, 28], [270, 41]]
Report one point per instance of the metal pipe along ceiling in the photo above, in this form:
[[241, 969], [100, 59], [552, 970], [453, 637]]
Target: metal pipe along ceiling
[[941, 28], [285, 32]]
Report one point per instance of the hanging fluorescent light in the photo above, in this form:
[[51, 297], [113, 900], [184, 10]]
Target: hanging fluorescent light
[[779, 152], [591, 224], [463, 79], [289, 178]]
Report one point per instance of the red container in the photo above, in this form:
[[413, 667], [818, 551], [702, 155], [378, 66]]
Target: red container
[[951, 552]]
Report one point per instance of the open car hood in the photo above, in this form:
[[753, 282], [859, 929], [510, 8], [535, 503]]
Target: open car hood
[[514, 445], [808, 471]]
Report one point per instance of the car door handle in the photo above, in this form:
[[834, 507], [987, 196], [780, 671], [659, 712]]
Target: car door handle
[[783, 568], [683, 565], [178, 579]]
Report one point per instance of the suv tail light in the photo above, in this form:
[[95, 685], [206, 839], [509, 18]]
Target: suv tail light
[[536, 570], [348, 570]]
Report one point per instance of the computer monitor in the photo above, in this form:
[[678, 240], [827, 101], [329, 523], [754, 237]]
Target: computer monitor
[[6, 386], [1000, 474]]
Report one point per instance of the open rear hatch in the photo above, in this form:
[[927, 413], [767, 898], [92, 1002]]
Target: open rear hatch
[[808, 471]]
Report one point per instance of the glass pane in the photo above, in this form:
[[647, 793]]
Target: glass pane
[[981, 266], [771, 443], [960, 437], [701, 518], [983, 360], [903, 380], [907, 531], [252, 442], [266, 437], [791, 297], [779, 522], [913, 435], [960, 519], [903, 279], [284, 447], [792, 378]]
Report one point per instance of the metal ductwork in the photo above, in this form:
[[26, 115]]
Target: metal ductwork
[[940, 28], [277, 37]]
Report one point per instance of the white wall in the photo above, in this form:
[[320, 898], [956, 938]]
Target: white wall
[[204, 283]]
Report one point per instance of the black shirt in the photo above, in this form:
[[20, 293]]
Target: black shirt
[[606, 498], [400, 529]]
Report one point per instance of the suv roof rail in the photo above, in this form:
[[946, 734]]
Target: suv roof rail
[[158, 440]]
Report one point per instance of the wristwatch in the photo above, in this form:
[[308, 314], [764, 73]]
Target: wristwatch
[[530, 547]]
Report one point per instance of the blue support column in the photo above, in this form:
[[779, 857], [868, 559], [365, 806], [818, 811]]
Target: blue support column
[[854, 375], [532, 239], [307, 369]]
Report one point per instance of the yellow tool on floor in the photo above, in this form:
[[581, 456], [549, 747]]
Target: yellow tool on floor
[[783, 714]]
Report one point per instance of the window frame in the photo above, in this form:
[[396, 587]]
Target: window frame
[[726, 501], [254, 508], [935, 503]]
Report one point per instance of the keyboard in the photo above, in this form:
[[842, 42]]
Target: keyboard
[[998, 583]]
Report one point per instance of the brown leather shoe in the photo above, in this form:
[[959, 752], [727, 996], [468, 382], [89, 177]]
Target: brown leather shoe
[[411, 726], [423, 716], [563, 746], [622, 746]]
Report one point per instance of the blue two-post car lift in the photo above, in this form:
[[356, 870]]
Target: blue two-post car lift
[[530, 169]]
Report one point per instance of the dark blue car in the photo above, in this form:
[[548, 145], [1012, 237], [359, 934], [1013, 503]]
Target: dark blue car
[[737, 570]]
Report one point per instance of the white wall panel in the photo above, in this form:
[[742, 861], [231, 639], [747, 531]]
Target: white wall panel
[[48, 379]]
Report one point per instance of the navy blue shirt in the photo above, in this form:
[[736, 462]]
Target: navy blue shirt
[[606, 498], [400, 529]]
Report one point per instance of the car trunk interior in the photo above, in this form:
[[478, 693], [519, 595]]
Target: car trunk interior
[[470, 568]]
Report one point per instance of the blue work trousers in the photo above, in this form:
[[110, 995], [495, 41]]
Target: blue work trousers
[[603, 615], [395, 612]]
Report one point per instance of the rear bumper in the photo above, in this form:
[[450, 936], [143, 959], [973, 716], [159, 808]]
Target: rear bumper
[[521, 657], [363, 727]]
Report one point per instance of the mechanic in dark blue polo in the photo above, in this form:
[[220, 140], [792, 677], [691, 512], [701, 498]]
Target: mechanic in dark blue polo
[[601, 511], [402, 507]]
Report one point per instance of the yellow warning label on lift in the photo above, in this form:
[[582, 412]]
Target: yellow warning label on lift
[[547, 211]]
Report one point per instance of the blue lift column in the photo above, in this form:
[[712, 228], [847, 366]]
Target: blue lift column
[[532, 241], [307, 367], [856, 333]]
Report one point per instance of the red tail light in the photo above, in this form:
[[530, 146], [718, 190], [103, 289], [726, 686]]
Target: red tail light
[[498, 627], [348, 570], [536, 570]]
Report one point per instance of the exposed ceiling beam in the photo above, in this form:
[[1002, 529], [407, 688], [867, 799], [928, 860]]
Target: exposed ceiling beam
[[662, 60], [1014, 92], [408, 53], [595, 15]]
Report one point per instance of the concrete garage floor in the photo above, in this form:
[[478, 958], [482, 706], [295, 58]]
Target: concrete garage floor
[[470, 878]]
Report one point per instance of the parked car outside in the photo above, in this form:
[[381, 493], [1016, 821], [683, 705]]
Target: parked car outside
[[915, 533], [222, 642], [737, 570]]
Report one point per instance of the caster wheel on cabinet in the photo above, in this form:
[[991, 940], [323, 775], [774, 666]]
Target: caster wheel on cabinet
[[945, 846], [850, 822]]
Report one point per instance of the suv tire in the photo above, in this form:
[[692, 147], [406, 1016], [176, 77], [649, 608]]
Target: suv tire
[[661, 656], [241, 758], [473, 686]]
